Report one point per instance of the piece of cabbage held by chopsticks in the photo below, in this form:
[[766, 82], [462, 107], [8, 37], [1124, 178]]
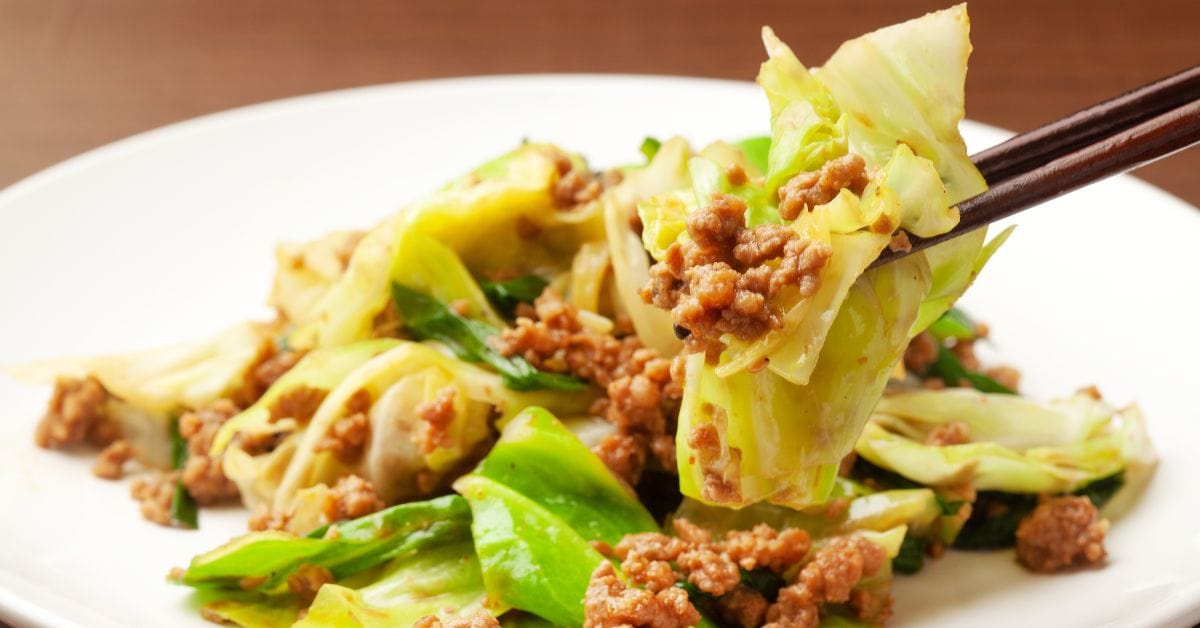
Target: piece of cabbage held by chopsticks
[[789, 405]]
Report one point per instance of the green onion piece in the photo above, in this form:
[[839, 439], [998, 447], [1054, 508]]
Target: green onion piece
[[650, 147], [506, 295], [951, 370], [953, 324], [184, 510], [426, 317], [911, 557]]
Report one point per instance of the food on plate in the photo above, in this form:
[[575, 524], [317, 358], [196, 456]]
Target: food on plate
[[670, 393]]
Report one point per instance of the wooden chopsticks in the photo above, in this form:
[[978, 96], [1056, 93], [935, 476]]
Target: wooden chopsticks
[[1118, 135]]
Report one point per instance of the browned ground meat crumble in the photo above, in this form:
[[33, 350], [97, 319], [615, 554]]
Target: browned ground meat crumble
[[202, 474], [716, 463], [609, 603], [810, 189], [1061, 532], [270, 364], [952, 433], [155, 494], [922, 352], [348, 435], [743, 607], [299, 403], [478, 619], [346, 438], [110, 464], [830, 577], [350, 498], [576, 185], [723, 280], [642, 396], [307, 581], [900, 242], [436, 416], [75, 415], [656, 562]]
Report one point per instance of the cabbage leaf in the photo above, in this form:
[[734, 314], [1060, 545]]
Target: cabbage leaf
[[1018, 445]]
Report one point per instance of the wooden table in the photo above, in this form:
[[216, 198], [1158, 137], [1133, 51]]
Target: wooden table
[[78, 74]]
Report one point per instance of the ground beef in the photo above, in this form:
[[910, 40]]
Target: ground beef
[[269, 366], [610, 603], [267, 518], [652, 575], [259, 443], [346, 438], [111, 463], [723, 280], [625, 455], [436, 416], [299, 403], [736, 174], [575, 185], [900, 242], [352, 497], [642, 393], [714, 462], [710, 569], [650, 545], [711, 565], [1006, 376], [714, 566], [829, 578], [810, 189], [307, 581], [76, 414], [1061, 532], [765, 548], [965, 351], [203, 476], [478, 619], [155, 494], [952, 433], [742, 607], [575, 188], [921, 353]]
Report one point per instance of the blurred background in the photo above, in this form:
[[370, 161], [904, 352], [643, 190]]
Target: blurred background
[[77, 74]]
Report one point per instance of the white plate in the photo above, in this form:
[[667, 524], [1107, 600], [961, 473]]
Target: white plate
[[169, 235]]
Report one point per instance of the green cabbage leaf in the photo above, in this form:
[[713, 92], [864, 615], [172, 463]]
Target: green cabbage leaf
[[1017, 445]]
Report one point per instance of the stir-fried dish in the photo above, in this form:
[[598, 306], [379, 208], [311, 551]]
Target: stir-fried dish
[[671, 393]]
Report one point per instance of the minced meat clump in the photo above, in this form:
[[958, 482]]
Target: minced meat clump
[[655, 565], [350, 497], [723, 280], [1061, 532], [922, 354], [76, 414], [202, 475], [642, 396], [810, 189]]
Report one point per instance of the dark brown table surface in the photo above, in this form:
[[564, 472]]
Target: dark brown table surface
[[77, 74]]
